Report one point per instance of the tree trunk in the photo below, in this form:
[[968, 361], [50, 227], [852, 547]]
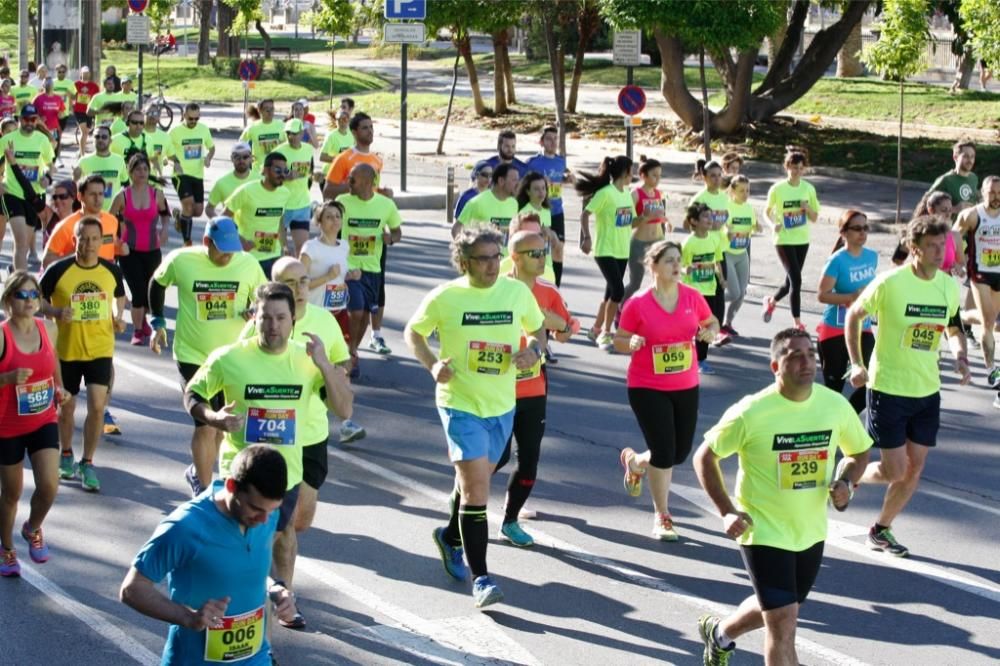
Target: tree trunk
[[706, 121], [574, 86], [899, 155], [332, 69], [556, 58], [204, 32], [499, 78], [588, 22], [672, 84], [508, 70], [229, 45], [266, 37], [451, 100], [775, 40], [963, 75], [733, 116], [779, 66], [849, 57], [465, 48]]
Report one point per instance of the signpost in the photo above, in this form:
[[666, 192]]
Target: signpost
[[405, 34], [137, 32], [627, 52]]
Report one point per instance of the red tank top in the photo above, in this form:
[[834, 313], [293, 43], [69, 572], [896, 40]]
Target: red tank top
[[27, 407], [652, 202], [140, 223]]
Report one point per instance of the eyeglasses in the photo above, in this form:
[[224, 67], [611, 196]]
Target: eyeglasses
[[534, 254], [485, 174], [60, 197], [193, 119], [241, 156], [484, 258], [25, 294], [852, 227], [136, 122], [284, 171]]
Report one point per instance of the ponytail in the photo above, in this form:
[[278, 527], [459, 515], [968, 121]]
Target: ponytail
[[612, 168], [692, 213]]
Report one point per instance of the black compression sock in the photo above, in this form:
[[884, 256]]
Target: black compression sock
[[186, 225], [475, 536], [452, 533], [557, 269], [517, 494]]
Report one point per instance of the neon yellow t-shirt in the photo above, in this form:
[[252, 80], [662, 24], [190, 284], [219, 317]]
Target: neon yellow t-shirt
[[157, 145], [786, 451], [336, 143], [317, 321], [544, 214], [698, 257], [190, 147], [785, 204], [613, 210], [112, 168], [485, 208], [33, 153], [263, 138], [257, 212], [718, 203], [211, 299], [300, 163], [225, 186], [740, 226], [364, 223], [273, 392], [480, 330], [912, 317], [64, 88], [23, 95], [98, 101]]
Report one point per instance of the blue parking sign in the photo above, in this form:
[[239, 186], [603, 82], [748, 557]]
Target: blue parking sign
[[406, 9]]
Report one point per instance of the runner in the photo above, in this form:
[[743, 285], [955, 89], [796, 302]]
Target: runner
[[714, 196], [22, 92], [480, 179], [110, 167], [78, 291], [914, 305], [363, 131], [266, 133], [980, 228], [133, 140], [300, 157], [33, 154], [111, 72], [791, 205], [553, 166], [8, 105], [258, 208], [86, 90], [64, 203], [701, 261], [340, 138], [657, 328], [216, 610], [50, 108], [533, 197], [732, 165], [506, 149], [30, 390], [529, 222], [740, 226], [269, 384], [496, 206], [961, 184], [67, 92], [215, 285], [62, 240], [37, 81], [96, 108], [139, 207], [372, 221], [191, 151], [786, 437], [475, 392], [157, 141], [847, 272], [529, 251], [240, 175], [646, 198]]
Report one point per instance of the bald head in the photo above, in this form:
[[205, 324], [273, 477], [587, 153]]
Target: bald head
[[362, 180], [525, 240], [292, 273], [285, 265]]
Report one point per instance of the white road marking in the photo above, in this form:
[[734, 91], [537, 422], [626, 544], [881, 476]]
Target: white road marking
[[940, 494], [93, 619]]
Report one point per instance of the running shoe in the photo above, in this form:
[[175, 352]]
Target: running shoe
[[147, 330], [9, 566], [527, 514], [593, 334], [513, 533], [351, 432], [88, 477], [451, 556], [178, 225], [663, 527], [136, 341], [67, 467], [729, 330], [486, 592], [606, 342], [192, 478], [355, 368], [705, 368], [38, 551], [768, 311], [994, 377], [632, 480], [714, 655], [884, 540], [722, 339], [110, 425], [377, 345]]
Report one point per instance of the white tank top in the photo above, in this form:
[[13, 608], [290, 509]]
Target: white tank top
[[987, 241], [322, 257]]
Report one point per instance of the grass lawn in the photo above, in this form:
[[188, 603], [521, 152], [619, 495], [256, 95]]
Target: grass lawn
[[602, 72], [188, 82], [421, 106], [8, 41]]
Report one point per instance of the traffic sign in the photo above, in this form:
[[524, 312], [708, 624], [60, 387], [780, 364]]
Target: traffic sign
[[137, 29], [406, 9], [404, 33], [138, 6], [627, 48], [249, 70], [631, 100]]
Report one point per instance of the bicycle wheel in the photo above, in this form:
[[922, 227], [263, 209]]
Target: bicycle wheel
[[166, 114]]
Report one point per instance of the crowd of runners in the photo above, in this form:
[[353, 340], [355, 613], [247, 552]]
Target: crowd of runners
[[289, 280]]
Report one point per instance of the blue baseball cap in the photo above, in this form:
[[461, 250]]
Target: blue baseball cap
[[225, 235]]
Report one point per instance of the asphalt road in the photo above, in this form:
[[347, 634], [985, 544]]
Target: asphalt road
[[596, 589]]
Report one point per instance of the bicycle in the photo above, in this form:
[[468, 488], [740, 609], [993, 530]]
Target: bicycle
[[159, 103]]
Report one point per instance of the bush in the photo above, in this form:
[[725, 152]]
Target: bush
[[113, 32], [281, 69]]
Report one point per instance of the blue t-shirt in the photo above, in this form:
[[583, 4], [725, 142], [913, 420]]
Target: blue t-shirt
[[205, 555], [851, 274], [463, 199], [516, 163], [552, 168]]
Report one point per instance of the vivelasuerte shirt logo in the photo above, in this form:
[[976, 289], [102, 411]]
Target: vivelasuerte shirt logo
[[801, 440], [363, 222], [269, 212], [272, 392], [926, 311], [209, 286], [487, 318]]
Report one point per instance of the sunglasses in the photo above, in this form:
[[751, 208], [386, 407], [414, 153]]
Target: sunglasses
[[136, 122], [60, 197], [534, 254], [284, 171], [485, 174], [193, 119], [857, 228], [25, 294], [241, 157]]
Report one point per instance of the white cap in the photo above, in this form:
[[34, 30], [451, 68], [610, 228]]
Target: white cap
[[84, 69], [304, 102]]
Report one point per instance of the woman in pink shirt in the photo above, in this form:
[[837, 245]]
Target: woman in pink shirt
[[50, 106], [658, 328]]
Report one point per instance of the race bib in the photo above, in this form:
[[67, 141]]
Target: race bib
[[270, 426], [703, 272], [841, 318], [82, 99], [300, 169], [35, 398], [362, 246], [802, 470], [269, 143], [530, 373], [216, 305], [922, 337], [739, 241], [623, 217], [654, 207], [90, 306], [718, 217], [555, 190], [239, 637], [794, 219], [671, 359], [192, 151], [489, 358], [30, 172], [265, 242], [988, 253], [335, 297]]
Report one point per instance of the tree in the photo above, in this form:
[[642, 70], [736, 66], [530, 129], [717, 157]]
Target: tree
[[982, 21], [159, 12], [898, 54], [496, 17], [334, 17], [457, 17], [588, 22], [205, 31], [556, 60], [247, 12], [849, 58]]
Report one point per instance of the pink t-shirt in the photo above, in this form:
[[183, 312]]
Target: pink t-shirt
[[668, 361], [49, 107]]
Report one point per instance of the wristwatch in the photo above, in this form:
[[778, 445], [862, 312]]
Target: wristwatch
[[850, 488]]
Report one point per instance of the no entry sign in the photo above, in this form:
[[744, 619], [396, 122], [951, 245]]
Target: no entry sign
[[631, 100], [249, 70], [138, 6]]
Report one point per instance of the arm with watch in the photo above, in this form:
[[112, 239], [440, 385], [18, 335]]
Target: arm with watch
[[849, 472], [282, 598], [532, 352]]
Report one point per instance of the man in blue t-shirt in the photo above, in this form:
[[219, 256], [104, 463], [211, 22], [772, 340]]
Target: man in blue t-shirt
[[553, 167], [506, 147], [215, 552]]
